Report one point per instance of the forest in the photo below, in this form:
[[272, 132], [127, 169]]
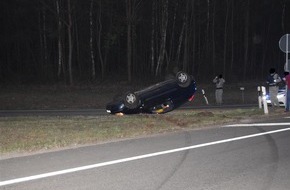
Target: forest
[[95, 41]]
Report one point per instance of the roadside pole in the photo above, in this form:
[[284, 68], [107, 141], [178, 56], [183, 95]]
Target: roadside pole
[[262, 99], [284, 44], [204, 96], [259, 96], [243, 95], [265, 105]]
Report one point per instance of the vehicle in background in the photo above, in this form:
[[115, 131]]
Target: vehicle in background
[[281, 97]]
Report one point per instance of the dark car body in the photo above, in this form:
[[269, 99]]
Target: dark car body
[[159, 98]]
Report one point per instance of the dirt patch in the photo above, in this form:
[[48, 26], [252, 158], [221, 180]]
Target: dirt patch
[[205, 114], [177, 121]]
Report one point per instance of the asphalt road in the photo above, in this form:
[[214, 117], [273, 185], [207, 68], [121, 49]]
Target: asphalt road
[[247, 157]]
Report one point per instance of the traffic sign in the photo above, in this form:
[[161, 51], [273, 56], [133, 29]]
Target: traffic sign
[[284, 43]]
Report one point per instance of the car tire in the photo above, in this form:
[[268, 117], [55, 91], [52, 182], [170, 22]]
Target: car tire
[[131, 100], [183, 79]]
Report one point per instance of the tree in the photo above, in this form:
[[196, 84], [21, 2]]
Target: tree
[[92, 51], [226, 38], [59, 40], [70, 41], [129, 9], [93, 40], [246, 37], [164, 23], [153, 37], [99, 41]]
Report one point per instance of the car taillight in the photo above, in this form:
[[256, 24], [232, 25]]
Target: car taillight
[[191, 98]]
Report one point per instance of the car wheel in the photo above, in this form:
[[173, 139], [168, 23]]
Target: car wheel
[[183, 79], [131, 100]]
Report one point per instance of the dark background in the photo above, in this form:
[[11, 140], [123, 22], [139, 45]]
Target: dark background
[[97, 41]]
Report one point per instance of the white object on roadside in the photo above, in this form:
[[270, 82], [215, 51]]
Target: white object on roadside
[[259, 96], [265, 105], [203, 92]]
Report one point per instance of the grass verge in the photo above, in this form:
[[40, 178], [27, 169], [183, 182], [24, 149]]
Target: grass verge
[[29, 134]]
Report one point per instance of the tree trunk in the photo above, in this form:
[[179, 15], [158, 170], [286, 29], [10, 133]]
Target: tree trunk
[[153, 37], [265, 45], [129, 40], [163, 37], [41, 44], [213, 40], [283, 17], [59, 39], [70, 43], [78, 45], [232, 39], [99, 40], [172, 42], [246, 39], [226, 39], [92, 42], [185, 52], [45, 49], [194, 66], [207, 43], [180, 42]]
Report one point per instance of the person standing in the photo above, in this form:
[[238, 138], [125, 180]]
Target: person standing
[[287, 81], [272, 80], [219, 83]]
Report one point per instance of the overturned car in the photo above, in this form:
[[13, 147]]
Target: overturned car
[[159, 98]]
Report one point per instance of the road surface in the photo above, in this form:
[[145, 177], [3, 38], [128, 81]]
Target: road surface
[[247, 156]]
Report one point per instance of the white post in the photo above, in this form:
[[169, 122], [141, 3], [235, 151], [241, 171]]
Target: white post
[[259, 96], [243, 96], [266, 111], [203, 93]]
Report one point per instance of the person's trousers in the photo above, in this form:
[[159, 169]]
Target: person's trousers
[[273, 91], [219, 96], [287, 100]]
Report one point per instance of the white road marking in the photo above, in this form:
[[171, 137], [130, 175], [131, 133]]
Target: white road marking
[[258, 125], [77, 169]]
